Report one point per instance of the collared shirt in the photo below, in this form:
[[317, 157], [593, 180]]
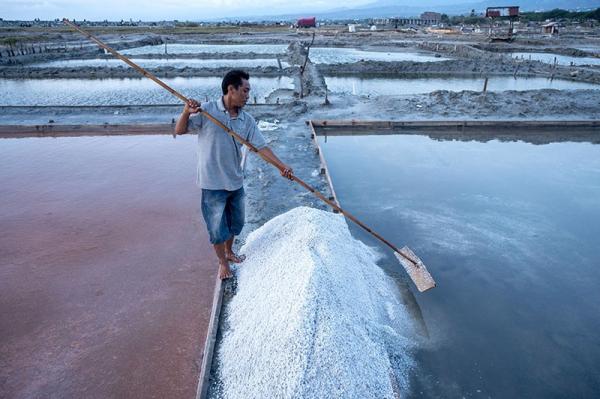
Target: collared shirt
[[219, 154]]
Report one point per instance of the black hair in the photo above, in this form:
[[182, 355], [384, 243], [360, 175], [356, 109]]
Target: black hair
[[234, 77]]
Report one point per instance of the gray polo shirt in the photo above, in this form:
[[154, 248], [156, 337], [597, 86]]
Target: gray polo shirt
[[219, 154]]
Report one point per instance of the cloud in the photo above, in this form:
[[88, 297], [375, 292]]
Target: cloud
[[159, 9]]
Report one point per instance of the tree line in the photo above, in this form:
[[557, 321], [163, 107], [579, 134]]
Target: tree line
[[557, 13]]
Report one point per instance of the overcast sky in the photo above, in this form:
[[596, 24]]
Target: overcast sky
[[193, 10]]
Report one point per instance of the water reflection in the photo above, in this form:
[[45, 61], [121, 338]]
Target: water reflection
[[122, 91], [179, 48], [591, 49], [374, 86], [560, 59], [533, 134], [339, 55], [509, 230], [165, 62]]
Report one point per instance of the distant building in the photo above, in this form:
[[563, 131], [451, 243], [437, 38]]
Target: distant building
[[510, 13], [497, 12], [426, 19], [310, 22], [431, 18], [550, 29]]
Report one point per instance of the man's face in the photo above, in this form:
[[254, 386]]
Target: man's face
[[239, 96]]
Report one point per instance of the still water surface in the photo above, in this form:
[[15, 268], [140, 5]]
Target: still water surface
[[510, 232], [97, 234], [166, 62], [178, 48], [560, 59], [593, 49], [374, 86], [340, 55], [318, 55], [122, 91]]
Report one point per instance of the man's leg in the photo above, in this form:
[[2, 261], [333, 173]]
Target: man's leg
[[213, 206], [230, 255], [224, 270], [235, 213]]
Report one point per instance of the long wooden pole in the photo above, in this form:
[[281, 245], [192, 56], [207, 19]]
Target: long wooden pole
[[240, 139], [168, 88], [126, 60]]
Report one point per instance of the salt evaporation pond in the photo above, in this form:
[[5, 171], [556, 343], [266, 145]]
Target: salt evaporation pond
[[313, 316], [592, 49], [98, 233], [560, 59], [510, 232], [374, 86], [123, 91], [165, 62], [179, 48], [340, 55]]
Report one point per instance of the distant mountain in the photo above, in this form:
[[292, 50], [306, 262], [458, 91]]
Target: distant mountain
[[394, 8], [391, 8]]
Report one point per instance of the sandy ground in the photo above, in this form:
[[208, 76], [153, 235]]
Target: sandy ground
[[268, 194]]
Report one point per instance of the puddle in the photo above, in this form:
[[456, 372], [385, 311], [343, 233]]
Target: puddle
[[338, 55], [123, 91], [373, 86], [560, 59], [170, 62], [509, 230], [177, 48]]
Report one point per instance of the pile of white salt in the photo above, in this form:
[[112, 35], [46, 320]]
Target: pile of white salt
[[313, 316]]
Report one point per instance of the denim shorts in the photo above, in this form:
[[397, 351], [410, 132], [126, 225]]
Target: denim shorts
[[223, 212]]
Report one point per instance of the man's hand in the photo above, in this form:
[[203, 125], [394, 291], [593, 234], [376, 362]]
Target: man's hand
[[270, 157], [287, 172], [191, 107]]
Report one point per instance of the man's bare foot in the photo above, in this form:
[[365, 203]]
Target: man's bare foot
[[224, 271], [235, 258]]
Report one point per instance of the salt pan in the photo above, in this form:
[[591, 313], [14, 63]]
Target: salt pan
[[313, 316]]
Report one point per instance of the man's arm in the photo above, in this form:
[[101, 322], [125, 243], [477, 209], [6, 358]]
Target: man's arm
[[190, 108], [267, 154]]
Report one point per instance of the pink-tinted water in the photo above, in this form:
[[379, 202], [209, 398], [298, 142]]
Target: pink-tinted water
[[106, 273]]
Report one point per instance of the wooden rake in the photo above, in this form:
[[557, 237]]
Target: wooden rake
[[411, 262]]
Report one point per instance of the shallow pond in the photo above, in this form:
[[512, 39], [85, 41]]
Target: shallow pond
[[560, 59], [375, 86], [339, 55], [179, 48], [96, 232], [122, 91], [510, 232], [591, 49], [166, 62]]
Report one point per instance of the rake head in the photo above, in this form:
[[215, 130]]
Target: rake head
[[416, 269]]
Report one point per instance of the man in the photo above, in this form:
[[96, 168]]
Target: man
[[220, 174]]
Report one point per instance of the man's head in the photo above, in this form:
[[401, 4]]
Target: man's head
[[236, 87]]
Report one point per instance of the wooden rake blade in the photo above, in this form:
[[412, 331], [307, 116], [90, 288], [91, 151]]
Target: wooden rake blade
[[416, 269]]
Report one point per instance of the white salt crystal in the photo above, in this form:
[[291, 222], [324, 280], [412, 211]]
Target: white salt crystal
[[313, 316]]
